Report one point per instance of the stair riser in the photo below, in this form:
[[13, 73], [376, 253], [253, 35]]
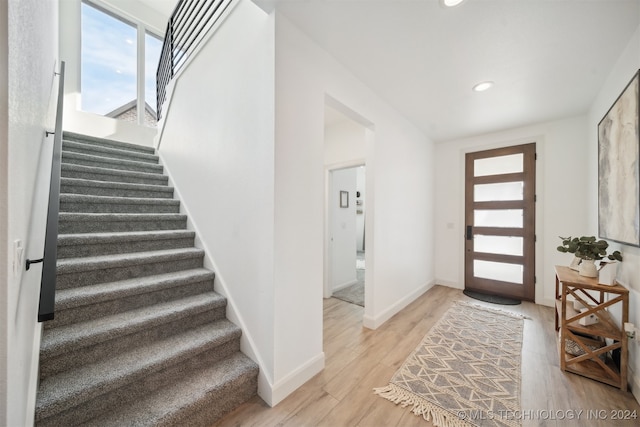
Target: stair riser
[[69, 227], [140, 387], [75, 159], [109, 153], [115, 273], [88, 250], [217, 405], [115, 192], [88, 207], [98, 175], [107, 308]]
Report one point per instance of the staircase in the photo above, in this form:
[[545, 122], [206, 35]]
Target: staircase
[[139, 336]]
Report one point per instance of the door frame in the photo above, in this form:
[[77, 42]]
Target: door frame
[[485, 144]]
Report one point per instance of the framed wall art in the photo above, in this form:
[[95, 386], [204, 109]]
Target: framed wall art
[[619, 168]]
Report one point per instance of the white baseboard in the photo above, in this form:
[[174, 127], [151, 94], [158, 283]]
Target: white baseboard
[[275, 394], [374, 322], [546, 302], [34, 379], [449, 283]]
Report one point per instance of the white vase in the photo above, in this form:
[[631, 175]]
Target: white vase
[[575, 263], [607, 273], [588, 268]]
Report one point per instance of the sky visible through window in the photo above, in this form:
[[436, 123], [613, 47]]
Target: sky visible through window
[[109, 62]]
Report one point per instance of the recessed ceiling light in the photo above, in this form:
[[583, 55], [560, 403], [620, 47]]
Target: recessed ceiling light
[[451, 3], [482, 86]]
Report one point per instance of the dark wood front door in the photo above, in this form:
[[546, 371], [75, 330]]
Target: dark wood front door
[[500, 221]]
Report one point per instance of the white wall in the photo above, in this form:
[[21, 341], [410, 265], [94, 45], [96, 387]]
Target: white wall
[[562, 153], [76, 120], [343, 229], [629, 270], [400, 211], [345, 141], [32, 60], [4, 207], [217, 146]]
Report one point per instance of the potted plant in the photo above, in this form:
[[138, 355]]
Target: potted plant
[[588, 249]]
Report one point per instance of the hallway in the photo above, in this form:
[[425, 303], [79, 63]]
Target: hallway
[[359, 359]]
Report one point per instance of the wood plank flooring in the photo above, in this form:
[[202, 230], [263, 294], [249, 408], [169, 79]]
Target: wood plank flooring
[[359, 359]]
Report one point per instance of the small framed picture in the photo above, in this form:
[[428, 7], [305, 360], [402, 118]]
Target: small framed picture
[[344, 199]]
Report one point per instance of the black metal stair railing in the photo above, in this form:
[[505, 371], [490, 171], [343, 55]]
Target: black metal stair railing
[[187, 27], [50, 256]]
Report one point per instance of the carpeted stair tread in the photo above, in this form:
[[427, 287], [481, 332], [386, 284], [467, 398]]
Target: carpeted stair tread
[[57, 340], [110, 152], [74, 272], [87, 302], [114, 222], [105, 162], [76, 216], [96, 244], [107, 188], [86, 295], [207, 390], [113, 204], [86, 139], [112, 175], [83, 238], [68, 389], [72, 265]]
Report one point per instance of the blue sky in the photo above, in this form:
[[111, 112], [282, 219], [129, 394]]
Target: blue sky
[[109, 62]]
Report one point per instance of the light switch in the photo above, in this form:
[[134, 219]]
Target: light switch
[[18, 255]]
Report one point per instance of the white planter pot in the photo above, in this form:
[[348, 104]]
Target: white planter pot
[[575, 264], [588, 268]]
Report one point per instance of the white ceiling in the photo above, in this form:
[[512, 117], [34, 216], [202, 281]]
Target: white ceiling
[[548, 58], [165, 7]]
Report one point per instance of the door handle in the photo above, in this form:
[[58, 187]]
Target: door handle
[[469, 232]]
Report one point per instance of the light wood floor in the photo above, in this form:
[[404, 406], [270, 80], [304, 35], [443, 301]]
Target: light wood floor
[[359, 359]]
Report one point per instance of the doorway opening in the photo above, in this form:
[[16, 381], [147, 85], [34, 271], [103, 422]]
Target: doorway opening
[[347, 234], [347, 139]]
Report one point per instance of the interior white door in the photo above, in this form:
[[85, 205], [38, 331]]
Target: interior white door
[[343, 228]]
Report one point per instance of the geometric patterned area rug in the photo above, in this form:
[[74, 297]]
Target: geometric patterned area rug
[[466, 370]]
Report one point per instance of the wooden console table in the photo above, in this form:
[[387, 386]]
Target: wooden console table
[[595, 362]]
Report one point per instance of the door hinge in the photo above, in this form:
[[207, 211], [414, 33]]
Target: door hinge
[[535, 197], [535, 237], [535, 279], [535, 156]]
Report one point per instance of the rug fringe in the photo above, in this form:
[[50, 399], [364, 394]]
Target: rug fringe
[[494, 310], [430, 412]]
